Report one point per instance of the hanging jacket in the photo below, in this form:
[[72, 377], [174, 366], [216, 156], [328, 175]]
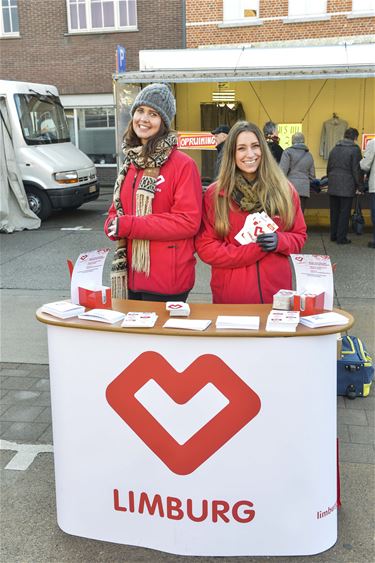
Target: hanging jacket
[[170, 228], [297, 164], [332, 131], [343, 170], [247, 274]]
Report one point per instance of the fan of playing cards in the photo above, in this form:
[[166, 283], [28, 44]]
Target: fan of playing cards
[[256, 224]]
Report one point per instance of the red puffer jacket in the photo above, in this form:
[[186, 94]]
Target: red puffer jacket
[[175, 220], [247, 274]]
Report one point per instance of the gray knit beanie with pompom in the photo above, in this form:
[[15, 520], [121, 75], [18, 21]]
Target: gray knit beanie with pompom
[[160, 98]]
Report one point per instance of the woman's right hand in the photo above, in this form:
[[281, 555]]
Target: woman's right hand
[[112, 229]]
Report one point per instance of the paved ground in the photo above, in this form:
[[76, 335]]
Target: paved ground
[[29, 530]]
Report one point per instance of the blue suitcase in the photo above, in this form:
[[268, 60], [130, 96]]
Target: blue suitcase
[[355, 371]]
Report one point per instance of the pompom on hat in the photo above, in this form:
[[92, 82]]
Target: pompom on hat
[[160, 98]]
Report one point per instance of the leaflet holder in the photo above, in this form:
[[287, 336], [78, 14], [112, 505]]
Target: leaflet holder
[[308, 304], [92, 298]]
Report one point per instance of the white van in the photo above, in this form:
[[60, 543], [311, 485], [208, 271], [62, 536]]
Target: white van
[[55, 174]]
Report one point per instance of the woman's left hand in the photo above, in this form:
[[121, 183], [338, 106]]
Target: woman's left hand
[[268, 241]]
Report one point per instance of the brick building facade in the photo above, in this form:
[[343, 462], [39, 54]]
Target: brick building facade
[[209, 23], [70, 45]]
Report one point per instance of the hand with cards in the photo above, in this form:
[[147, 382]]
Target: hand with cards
[[256, 224]]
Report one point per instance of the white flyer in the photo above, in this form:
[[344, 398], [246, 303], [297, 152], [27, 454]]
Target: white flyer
[[314, 275], [88, 272]]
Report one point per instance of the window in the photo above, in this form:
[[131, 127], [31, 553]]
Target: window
[[42, 119], [307, 7], [240, 9], [365, 6], [92, 130], [9, 18], [101, 15]]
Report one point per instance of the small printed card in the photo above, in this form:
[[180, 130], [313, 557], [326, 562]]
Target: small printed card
[[139, 319], [256, 224]]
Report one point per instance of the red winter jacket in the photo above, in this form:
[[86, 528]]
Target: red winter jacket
[[247, 274], [175, 219]]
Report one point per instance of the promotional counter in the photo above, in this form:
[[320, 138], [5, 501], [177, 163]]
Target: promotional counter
[[221, 442]]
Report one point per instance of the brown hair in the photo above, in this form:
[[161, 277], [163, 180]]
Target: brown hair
[[274, 192]]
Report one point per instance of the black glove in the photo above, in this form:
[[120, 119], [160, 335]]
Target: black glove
[[268, 241]]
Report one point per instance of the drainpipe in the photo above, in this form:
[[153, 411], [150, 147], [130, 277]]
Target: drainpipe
[[183, 23]]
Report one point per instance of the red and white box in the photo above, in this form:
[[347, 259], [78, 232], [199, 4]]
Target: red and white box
[[177, 308], [95, 298], [308, 303]]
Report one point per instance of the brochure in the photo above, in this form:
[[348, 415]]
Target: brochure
[[139, 319], [282, 321], [63, 309], [103, 316], [324, 319], [87, 274], [188, 324], [314, 276], [238, 322]]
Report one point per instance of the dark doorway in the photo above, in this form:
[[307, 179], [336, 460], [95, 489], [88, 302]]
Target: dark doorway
[[213, 115]]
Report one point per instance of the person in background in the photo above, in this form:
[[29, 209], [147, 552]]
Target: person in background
[[220, 134], [249, 181], [272, 138], [156, 209], [297, 164], [344, 180], [367, 164]]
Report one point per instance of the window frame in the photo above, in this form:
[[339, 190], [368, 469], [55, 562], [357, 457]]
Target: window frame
[[306, 15], [4, 33], [76, 112], [247, 19], [369, 11], [90, 29]]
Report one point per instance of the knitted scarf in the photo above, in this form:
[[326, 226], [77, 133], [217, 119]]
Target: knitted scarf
[[245, 195], [144, 196]]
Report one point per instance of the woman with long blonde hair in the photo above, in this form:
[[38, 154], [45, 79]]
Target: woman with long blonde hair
[[249, 182]]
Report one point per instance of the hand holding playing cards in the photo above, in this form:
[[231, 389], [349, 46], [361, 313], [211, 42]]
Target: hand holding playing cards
[[268, 241]]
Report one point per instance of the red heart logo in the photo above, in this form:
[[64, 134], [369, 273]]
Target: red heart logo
[[174, 306], [299, 258], [244, 404]]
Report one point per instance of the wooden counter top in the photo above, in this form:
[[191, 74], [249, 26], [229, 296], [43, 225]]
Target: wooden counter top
[[197, 311]]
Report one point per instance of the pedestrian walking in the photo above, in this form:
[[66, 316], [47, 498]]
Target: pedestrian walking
[[344, 180], [297, 164], [367, 164], [156, 209], [272, 137], [250, 181], [220, 134]]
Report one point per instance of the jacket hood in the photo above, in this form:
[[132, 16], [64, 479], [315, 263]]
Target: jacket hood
[[300, 146]]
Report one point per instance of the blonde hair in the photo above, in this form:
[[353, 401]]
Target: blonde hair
[[274, 192]]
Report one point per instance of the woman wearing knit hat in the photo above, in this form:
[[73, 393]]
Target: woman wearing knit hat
[[156, 209], [249, 183]]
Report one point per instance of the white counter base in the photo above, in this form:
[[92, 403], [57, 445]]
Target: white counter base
[[282, 463]]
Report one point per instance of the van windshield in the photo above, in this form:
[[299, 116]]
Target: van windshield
[[42, 119]]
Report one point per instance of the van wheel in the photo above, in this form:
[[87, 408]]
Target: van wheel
[[39, 202]]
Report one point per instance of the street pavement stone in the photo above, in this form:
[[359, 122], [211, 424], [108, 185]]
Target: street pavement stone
[[24, 432]]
